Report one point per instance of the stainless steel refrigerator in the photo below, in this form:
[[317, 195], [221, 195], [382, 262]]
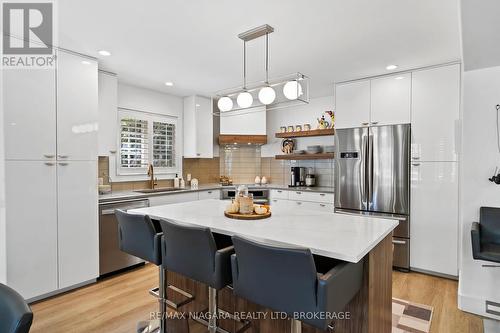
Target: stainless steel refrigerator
[[372, 167]]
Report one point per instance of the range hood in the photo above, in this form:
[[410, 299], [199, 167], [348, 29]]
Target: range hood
[[242, 139]]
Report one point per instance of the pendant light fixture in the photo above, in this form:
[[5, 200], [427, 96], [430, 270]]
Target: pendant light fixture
[[277, 93]]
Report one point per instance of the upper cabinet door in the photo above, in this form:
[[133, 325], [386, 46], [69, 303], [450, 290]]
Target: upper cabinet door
[[352, 104], [435, 113], [391, 100], [198, 127], [77, 116], [30, 114], [108, 114], [204, 122]]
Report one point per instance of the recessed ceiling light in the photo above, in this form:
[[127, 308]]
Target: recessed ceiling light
[[398, 78], [85, 62], [391, 67], [169, 84], [104, 53]]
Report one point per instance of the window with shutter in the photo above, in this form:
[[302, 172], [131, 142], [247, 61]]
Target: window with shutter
[[146, 139]]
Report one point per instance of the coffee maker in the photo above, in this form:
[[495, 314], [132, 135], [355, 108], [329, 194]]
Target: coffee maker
[[297, 176]]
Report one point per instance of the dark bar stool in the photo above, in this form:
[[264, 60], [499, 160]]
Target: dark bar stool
[[15, 314], [286, 279], [194, 252], [141, 237], [485, 236]]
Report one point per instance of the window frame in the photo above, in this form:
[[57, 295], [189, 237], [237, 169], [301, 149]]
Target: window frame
[[150, 118]]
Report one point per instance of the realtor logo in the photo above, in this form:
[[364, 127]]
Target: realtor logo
[[28, 35]]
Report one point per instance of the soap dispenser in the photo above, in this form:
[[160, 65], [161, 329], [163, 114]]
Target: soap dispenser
[[176, 181]]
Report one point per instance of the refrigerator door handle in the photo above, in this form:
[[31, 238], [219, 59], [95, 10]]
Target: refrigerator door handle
[[364, 168], [369, 173]]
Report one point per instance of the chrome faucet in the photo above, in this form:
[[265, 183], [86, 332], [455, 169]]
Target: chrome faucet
[[151, 174]]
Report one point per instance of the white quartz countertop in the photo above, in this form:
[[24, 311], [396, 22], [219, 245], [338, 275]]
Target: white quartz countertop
[[339, 236]]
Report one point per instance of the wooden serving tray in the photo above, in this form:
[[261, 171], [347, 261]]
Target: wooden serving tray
[[253, 216]]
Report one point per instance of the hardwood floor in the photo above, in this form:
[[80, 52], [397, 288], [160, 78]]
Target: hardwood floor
[[117, 304]]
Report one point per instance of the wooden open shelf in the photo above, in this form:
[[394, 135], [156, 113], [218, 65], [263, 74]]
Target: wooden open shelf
[[322, 156], [316, 132]]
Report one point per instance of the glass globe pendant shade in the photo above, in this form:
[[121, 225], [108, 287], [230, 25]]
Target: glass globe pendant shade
[[225, 104], [244, 100], [267, 95], [292, 90]]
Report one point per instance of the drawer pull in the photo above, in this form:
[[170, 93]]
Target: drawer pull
[[322, 205], [398, 242], [298, 192], [62, 156], [279, 191], [48, 156], [209, 192], [415, 164], [299, 203], [49, 163], [322, 194], [63, 163], [364, 124]]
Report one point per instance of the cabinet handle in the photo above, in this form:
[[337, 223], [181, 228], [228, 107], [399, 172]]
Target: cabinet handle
[[49, 163], [112, 151], [62, 156], [415, 158], [374, 122], [364, 124], [298, 192], [63, 163], [398, 242], [198, 154], [299, 203], [322, 205], [415, 164], [275, 200], [209, 192], [322, 194], [279, 191], [48, 156]]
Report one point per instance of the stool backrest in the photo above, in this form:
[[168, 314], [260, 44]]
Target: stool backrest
[[281, 278], [490, 224], [15, 314], [137, 236], [188, 250]]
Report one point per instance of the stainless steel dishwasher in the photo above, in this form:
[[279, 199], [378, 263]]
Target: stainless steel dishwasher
[[111, 259]]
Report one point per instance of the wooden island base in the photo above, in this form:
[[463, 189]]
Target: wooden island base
[[370, 310]]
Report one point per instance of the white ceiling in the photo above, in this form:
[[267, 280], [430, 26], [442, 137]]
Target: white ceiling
[[480, 28], [194, 44]]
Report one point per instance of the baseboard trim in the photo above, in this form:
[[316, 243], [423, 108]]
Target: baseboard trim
[[60, 291], [446, 276]]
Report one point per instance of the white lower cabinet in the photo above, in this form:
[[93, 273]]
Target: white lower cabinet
[[31, 227], [209, 194], [434, 217], [279, 194], [167, 199], [78, 238], [306, 199], [318, 206]]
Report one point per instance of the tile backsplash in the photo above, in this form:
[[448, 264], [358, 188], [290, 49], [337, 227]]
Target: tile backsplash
[[241, 164]]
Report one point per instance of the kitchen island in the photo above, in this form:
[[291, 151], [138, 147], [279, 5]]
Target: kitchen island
[[337, 236]]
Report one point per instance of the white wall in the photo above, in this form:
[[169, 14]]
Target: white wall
[[298, 115], [3, 256], [480, 156], [140, 99]]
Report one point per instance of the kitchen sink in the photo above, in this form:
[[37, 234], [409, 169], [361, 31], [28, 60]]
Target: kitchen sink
[[157, 190]]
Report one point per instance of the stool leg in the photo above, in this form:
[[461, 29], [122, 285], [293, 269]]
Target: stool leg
[[162, 293], [212, 309], [296, 326]]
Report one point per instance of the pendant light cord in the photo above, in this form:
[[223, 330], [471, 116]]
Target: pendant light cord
[[498, 129], [267, 58], [244, 65]]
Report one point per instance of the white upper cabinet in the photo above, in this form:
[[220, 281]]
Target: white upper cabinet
[[77, 115], [244, 122], [198, 127], [435, 113], [434, 217], [30, 114], [391, 100], [108, 115], [78, 238], [352, 104]]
